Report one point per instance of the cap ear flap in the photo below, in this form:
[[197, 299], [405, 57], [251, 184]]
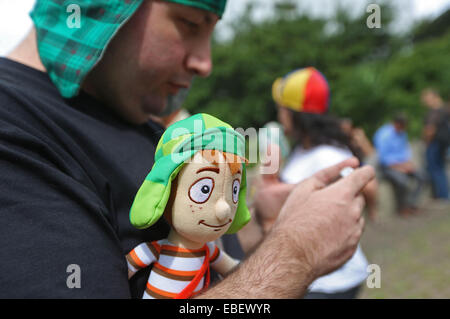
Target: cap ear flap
[[242, 216], [150, 201]]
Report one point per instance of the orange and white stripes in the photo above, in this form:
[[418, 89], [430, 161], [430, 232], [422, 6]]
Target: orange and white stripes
[[173, 267]]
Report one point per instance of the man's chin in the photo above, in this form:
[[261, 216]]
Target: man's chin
[[154, 106]]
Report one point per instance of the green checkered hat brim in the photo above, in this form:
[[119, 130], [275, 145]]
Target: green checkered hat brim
[[69, 52], [179, 143], [214, 6]]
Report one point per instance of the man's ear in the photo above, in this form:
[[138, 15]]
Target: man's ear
[[168, 210]]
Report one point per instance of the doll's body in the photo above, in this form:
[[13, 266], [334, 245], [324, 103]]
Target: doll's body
[[201, 199], [174, 268]]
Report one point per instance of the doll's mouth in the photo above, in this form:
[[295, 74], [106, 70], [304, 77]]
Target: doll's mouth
[[214, 226]]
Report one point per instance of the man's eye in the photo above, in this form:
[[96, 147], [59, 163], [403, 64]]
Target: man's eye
[[190, 24], [201, 190]]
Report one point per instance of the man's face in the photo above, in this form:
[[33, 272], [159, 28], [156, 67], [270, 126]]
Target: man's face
[[155, 54], [399, 127], [431, 99]]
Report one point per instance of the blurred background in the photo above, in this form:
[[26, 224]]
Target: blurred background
[[373, 74]]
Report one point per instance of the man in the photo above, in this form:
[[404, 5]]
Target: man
[[394, 156], [76, 143], [436, 134]]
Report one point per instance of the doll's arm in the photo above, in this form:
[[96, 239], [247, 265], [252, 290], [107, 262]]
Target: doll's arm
[[142, 256], [221, 262]]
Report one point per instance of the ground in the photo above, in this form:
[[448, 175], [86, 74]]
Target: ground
[[414, 253]]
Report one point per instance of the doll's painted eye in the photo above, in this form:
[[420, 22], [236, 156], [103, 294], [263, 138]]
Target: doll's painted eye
[[201, 190], [235, 190]]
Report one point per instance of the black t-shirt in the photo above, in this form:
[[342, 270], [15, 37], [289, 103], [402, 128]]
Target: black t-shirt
[[69, 171]]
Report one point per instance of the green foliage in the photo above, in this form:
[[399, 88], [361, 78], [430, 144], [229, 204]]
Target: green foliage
[[373, 73]]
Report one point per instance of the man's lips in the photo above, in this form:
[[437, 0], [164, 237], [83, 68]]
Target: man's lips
[[213, 226], [174, 87]]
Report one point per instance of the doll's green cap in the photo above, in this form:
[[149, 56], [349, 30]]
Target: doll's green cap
[[179, 143]]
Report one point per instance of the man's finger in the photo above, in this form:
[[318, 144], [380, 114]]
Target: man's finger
[[357, 180], [330, 174]]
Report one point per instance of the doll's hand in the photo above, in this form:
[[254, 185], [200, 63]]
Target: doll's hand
[[322, 220], [130, 274]]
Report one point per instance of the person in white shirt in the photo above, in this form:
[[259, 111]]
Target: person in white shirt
[[302, 98]]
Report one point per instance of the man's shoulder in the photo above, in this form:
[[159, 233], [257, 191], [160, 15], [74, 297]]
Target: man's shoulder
[[22, 86], [382, 132]]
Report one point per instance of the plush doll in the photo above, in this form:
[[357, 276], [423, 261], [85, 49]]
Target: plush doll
[[198, 184]]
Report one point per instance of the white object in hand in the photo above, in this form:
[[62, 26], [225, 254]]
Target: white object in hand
[[346, 171]]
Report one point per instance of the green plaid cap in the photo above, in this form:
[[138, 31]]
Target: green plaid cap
[[215, 6], [69, 52], [179, 143]]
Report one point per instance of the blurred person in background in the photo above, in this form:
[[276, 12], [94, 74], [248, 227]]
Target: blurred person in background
[[367, 152], [302, 97], [436, 134], [395, 162], [358, 137]]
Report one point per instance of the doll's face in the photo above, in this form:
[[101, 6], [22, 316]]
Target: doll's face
[[206, 199]]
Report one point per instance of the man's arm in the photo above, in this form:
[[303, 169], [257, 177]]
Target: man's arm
[[429, 131], [55, 230], [406, 167], [318, 229]]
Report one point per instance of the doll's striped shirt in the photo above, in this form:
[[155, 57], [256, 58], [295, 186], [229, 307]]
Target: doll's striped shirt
[[173, 267]]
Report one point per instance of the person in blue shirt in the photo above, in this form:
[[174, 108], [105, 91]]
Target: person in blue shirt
[[394, 159]]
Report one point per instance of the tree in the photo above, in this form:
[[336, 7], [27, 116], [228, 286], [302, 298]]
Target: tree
[[372, 72]]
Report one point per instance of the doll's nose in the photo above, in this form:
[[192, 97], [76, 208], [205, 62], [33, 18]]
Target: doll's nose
[[223, 210]]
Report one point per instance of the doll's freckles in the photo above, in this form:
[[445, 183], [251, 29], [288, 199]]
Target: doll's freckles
[[195, 208]]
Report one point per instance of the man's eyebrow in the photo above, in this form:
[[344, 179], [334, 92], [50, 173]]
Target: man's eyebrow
[[212, 169]]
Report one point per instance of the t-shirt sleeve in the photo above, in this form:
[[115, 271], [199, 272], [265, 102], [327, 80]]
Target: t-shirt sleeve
[[57, 233], [143, 255]]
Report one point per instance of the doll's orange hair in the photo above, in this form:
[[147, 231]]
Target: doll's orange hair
[[234, 162]]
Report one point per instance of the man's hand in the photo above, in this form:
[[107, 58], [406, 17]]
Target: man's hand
[[323, 219], [405, 168], [317, 230]]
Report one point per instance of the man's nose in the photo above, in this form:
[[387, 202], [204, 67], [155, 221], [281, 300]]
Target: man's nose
[[199, 60], [223, 210]]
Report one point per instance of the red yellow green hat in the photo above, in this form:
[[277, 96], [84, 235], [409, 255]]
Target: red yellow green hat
[[303, 90]]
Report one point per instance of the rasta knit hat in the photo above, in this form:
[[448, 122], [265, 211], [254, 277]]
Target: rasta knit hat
[[303, 90], [73, 34], [180, 142]]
